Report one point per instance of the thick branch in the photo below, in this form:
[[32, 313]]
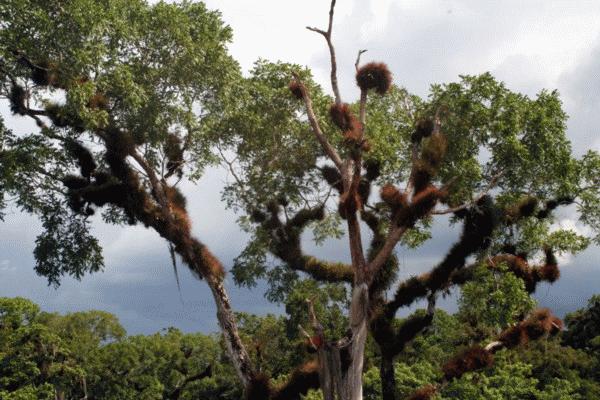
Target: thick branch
[[392, 239], [478, 227], [286, 245]]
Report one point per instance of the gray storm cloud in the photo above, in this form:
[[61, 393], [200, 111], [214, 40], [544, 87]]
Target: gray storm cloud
[[530, 45]]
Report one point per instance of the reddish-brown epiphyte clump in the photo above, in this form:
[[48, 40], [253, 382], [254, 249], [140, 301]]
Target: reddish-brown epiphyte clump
[[342, 117], [297, 89], [83, 155], [175, 197], [365, 146], [181, 220], [393, 197], [314, 343], [434, 150], [364, 190], [424, 393], [375, 76], [411, 289], [544, 318], [372, 169], [98, 101], [75, 182], [353, 138], [209, 265], [303, 379], [45, 73], [549, 273], [307, 215], [332, 177], [471, 359], [258, 216], [424, 201], [422, 175], [540, 323], [527, 206]]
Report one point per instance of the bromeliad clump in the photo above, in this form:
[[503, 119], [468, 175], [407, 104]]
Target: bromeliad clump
[[375, 76]]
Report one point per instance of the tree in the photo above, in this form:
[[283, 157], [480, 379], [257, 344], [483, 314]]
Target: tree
[[35, 363], [583, 326], [132, 76], [169, 365], [497, 162], [86, 355]]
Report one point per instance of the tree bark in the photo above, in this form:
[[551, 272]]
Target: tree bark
[[341, 362], [237, 352]]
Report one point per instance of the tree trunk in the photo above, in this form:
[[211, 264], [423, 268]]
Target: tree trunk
[[341, 363], [388, 378], [237, 352]]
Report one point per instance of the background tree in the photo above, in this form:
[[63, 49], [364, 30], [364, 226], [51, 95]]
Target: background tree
[[584, 326], [118, 89]]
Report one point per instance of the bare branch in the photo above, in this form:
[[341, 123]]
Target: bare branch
[[316, 128], [492, 347], [363, 112], [327, 36], [360, 53], [308, 337], [314, 320]]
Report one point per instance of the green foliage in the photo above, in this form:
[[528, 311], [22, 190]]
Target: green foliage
[[588, 170], [508, 381], [155, 366], [33, 358], [42, 354], [147, 68], [372, 384], [272, 350], [583, 326], [491, 132], [65, 246], [410, 377], [494, 299], [438, 342], [330, 302]]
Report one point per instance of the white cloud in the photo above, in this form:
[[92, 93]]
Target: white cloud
[[6, 266]]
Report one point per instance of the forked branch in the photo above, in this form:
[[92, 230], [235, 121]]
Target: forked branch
[[327, 36]]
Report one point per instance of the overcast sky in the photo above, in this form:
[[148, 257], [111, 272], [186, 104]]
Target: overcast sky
[[529, 44]]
